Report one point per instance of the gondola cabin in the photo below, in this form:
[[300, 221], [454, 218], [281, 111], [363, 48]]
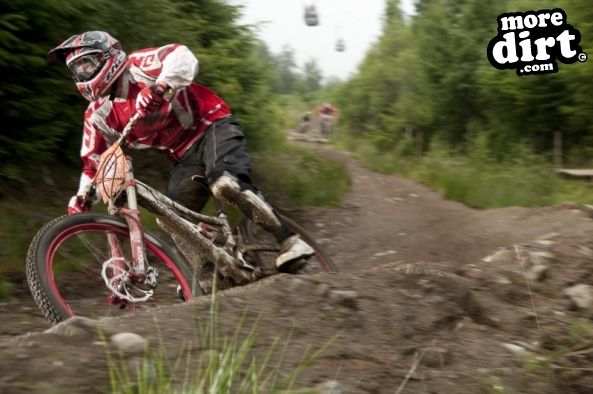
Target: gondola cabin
[[311, 17]]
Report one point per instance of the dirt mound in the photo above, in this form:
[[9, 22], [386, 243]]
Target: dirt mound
[[433, 297]]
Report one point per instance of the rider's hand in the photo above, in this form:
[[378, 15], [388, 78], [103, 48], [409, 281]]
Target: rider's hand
[[150, 99], [77, 204]]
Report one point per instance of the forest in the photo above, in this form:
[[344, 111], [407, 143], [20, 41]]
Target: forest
[[427, 103], [41, 109], [427, 75], [431, 74]]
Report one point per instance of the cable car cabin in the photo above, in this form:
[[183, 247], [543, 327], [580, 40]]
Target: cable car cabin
[[340, 45], [311, 17]]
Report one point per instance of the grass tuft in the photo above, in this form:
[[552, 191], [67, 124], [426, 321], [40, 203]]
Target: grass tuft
[[225, 364], [295, 177]]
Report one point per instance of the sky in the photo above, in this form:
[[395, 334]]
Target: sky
[[281, 22]]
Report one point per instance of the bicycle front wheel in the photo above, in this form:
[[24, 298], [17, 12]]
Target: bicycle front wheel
[[65, 260]]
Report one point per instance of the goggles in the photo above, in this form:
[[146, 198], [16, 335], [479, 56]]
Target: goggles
[[84, 67]]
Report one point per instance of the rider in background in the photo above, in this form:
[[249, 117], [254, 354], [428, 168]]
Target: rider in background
[[326, 109], [305, 122], [327, 113], [186, 120]]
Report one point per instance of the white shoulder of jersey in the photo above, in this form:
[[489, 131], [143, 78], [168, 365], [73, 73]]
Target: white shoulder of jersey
[[179, 68]]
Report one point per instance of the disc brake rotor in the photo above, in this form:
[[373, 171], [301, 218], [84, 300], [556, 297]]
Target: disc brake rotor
[[119, 282]]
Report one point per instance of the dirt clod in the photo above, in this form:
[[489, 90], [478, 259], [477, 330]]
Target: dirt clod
[[129, 342], [75, 326], [581, 296]]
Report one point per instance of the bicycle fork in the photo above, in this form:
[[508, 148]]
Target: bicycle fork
[[121, 280]]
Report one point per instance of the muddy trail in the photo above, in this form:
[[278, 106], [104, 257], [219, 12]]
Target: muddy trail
[[432, 297]]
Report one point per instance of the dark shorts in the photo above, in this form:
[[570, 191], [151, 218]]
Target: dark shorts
[[222, 148]]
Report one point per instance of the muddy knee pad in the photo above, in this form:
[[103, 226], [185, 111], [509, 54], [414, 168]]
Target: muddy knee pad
[[245, 197]]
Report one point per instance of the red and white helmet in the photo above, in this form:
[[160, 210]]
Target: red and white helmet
[[95, 60]]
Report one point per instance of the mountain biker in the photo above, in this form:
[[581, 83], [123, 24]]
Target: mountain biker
[[186, 120], [326, 109], [326, 113]]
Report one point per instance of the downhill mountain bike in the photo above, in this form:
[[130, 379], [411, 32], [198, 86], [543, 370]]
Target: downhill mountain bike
[[106, 264]]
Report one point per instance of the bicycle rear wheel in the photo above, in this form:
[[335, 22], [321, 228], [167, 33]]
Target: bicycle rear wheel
[[256, 235], [65, 260]]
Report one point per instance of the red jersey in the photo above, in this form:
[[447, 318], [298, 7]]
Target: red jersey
[[181, 121]]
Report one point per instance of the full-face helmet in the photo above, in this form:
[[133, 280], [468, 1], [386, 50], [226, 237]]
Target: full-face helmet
[[95, 60]]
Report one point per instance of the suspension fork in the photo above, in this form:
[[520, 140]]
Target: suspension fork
[[132, 216], [116, 249]]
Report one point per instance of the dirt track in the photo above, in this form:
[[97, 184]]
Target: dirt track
[[427, 310]]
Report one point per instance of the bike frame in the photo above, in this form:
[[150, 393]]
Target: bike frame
[[195, 241]]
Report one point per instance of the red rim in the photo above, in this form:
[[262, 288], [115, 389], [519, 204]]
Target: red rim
[[65, 234]]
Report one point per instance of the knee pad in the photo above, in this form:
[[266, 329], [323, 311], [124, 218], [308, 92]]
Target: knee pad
[[225, 186]]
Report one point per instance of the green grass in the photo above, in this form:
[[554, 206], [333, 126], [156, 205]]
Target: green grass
[[5, 288], [570, 355], [479, 180], [226, 364], [229, 365], [294, 177], [20, 219], [547, 368]]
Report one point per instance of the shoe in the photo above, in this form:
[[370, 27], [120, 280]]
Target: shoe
[[294, 251]]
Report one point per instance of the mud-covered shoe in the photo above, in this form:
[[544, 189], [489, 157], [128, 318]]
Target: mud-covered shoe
[[293, 254]]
